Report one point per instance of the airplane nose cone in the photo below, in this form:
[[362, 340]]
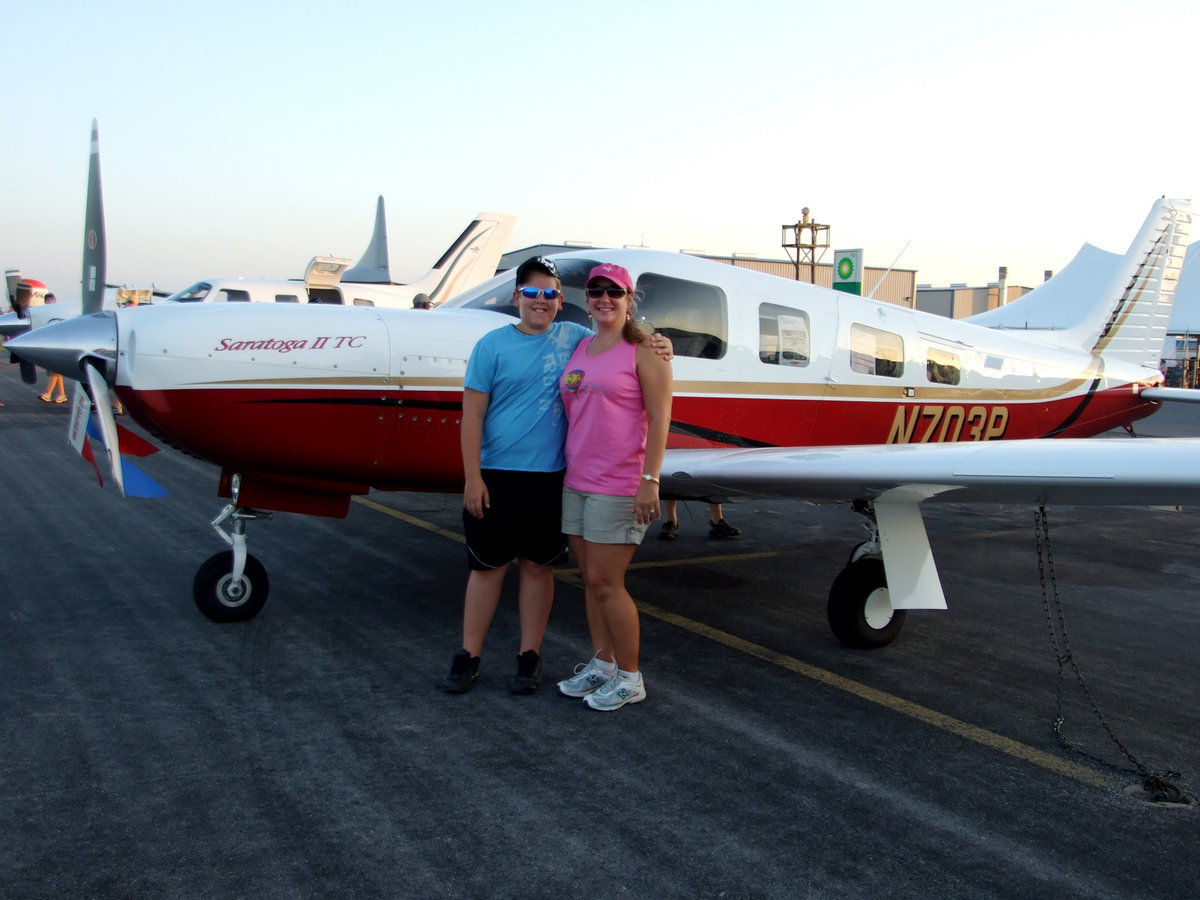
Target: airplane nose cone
[[61, 346]]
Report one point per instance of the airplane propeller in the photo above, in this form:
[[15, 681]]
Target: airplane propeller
[[102, 405]]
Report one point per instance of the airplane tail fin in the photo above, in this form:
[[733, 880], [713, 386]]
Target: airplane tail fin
[[471, 259], [1136, 324], [373, 267], [1117, 306], [95, 257]]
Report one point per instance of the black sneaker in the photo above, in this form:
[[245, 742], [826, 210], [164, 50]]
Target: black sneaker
[[670, 531], [529, 673], [722, 529], [464, 672]]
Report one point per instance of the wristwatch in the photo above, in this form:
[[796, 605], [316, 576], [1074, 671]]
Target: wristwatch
[[646, 476]]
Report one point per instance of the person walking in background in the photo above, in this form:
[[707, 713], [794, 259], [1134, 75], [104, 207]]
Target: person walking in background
[[54, 380], [617, 395]]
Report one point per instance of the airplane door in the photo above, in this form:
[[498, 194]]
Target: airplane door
[[792, 344]]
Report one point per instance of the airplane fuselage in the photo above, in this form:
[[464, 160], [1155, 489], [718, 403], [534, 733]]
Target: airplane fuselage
[[377, 394]]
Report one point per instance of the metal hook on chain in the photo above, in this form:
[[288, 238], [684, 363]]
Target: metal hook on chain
[[1155, 784]]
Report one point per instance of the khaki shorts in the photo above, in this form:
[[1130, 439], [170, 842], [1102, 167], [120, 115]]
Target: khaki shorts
[[600, 518]]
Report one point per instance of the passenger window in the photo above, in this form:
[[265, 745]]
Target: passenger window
[[690, 313], [783, 336], [942, 366], [233, 295], [286, 298], [875, 352]]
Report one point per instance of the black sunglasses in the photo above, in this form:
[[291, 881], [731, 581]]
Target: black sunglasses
[[598, 291]]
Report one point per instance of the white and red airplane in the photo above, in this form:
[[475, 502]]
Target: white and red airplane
[[781, 388]]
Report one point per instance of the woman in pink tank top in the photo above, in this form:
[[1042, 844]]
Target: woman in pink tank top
[[617, 395]]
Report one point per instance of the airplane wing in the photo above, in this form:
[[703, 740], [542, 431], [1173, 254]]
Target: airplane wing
[[896, 479], [1110, 471]]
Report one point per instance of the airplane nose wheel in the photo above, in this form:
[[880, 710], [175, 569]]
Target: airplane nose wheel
[[223, 597], [232, 586], [860, 609]]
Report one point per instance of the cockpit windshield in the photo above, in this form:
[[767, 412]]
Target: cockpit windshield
[[496, 294], [691, 313], [193, 294]]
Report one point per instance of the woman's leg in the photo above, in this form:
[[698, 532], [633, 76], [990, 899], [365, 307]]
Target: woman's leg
[[610, 607]]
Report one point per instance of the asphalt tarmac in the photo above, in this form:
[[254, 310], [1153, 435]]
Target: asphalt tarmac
[[146, 751]]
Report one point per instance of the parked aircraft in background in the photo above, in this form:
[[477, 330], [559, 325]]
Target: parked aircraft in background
[[781, 388], [471, 259]]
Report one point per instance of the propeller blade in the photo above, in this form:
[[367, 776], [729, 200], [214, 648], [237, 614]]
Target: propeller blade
[[77, 428], [28, 372], [95, 256], [102, 406]]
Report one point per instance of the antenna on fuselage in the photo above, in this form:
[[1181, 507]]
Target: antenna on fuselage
[[888, 270]]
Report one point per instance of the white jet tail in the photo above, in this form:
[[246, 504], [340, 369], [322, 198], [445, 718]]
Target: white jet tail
[[1114, 306], [470, 260]]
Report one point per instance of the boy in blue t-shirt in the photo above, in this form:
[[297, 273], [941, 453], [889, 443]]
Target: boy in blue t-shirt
[[513, 431]]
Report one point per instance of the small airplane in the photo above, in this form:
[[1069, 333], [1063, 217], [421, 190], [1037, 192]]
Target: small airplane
[[781, 389], [473, 257]]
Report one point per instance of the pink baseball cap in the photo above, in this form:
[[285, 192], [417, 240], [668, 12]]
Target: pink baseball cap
[[618, 275]]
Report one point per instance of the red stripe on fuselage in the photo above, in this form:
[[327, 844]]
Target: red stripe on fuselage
[[410, 440], [387, 440]]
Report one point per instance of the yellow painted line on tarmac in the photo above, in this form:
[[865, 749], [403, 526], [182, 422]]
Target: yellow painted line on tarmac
[[949, 724], [916, 711], [410, 519]]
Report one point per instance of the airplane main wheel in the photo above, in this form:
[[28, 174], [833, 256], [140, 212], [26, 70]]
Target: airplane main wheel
[[223, 599], [860, 609]]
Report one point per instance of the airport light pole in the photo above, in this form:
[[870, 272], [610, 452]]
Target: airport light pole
[[810, 240]]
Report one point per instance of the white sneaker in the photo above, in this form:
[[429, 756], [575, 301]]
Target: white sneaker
[[616, 692], [589, 676]]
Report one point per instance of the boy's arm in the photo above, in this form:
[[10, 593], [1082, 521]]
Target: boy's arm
[[475, 494]]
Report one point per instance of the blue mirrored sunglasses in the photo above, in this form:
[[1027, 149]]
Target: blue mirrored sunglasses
[[530, 293]]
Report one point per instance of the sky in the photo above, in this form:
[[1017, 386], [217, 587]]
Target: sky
[[243, 138]]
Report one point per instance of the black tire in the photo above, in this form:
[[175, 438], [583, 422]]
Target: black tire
[[212, 589], [859, 612]]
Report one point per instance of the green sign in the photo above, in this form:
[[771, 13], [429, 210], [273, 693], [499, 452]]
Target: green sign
[[847, 271]]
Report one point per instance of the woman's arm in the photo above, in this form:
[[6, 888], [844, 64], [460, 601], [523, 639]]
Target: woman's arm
[[654, 375]]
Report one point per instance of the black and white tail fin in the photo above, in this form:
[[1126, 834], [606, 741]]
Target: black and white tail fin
[[1136, 325], [471, 259], [95, 256]]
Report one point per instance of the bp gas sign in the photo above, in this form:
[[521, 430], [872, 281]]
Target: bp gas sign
[[847, 271]]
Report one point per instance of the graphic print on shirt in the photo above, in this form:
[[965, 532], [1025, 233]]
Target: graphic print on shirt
[[562, 345]]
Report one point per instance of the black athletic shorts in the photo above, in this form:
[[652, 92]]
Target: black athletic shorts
[[523, 520]]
